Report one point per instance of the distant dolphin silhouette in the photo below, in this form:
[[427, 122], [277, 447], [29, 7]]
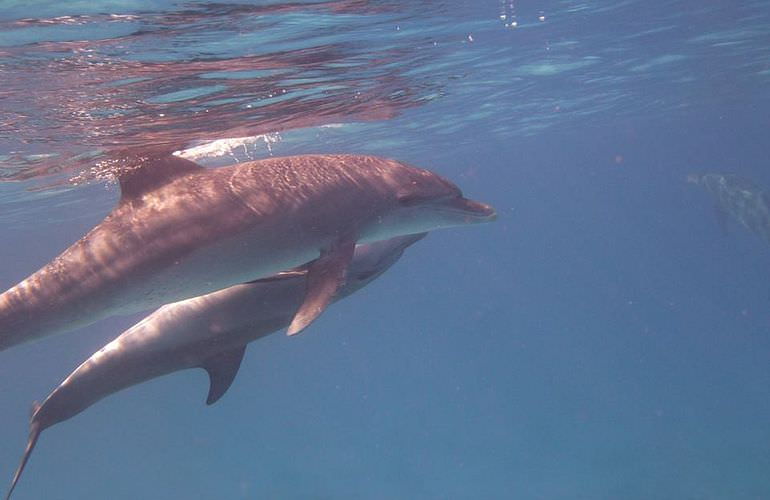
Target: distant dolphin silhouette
[[742, 199], [181, 230], [209, 332]]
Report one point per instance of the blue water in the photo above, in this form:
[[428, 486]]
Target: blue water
[[602, 340]]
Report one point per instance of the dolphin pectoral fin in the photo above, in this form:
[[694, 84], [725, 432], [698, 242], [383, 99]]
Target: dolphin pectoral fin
[[325, 276], [34, 432], [222, 369]]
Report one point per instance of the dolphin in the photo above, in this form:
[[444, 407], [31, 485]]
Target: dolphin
[[209, 332], [742, 199], [181, 230]]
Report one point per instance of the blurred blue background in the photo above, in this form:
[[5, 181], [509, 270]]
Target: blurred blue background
[[602, 340]]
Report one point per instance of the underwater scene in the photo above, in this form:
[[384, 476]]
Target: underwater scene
[[384, 249]]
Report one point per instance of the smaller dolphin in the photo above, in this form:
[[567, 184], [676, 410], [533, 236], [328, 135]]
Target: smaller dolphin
[[747, 202], [209, 332]]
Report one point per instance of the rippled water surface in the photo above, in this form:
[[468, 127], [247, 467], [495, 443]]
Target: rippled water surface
[[603, 339]]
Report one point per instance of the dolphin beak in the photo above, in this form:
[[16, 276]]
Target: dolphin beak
[[479, 212]]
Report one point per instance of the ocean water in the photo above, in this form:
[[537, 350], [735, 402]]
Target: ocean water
[[603, 339]]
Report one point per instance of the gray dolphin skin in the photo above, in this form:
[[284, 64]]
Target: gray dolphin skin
[[181, 230], [209, 332], [741, 198]]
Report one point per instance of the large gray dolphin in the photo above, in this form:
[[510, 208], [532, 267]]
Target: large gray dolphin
[[181, 230], [209, 332]]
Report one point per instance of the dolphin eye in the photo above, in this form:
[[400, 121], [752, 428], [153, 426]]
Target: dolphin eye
[[411, 199], [408, 200]]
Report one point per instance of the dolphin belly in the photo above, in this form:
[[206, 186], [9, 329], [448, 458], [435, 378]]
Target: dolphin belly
[[239, 259]]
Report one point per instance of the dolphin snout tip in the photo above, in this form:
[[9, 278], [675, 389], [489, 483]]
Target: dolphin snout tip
[[478, 211]]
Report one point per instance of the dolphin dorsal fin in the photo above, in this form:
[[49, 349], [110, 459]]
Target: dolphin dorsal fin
[[222, 369], [146, 174], [325, 276]]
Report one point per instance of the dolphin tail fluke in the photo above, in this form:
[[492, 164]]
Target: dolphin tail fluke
[[325, 276], [34, 432]]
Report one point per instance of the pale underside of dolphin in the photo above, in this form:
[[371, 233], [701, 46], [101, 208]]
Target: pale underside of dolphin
[[209, 332], [181, 231]]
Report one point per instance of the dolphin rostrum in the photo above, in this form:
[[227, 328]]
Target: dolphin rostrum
[[209, 332], [181, 230], [747, 202]]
